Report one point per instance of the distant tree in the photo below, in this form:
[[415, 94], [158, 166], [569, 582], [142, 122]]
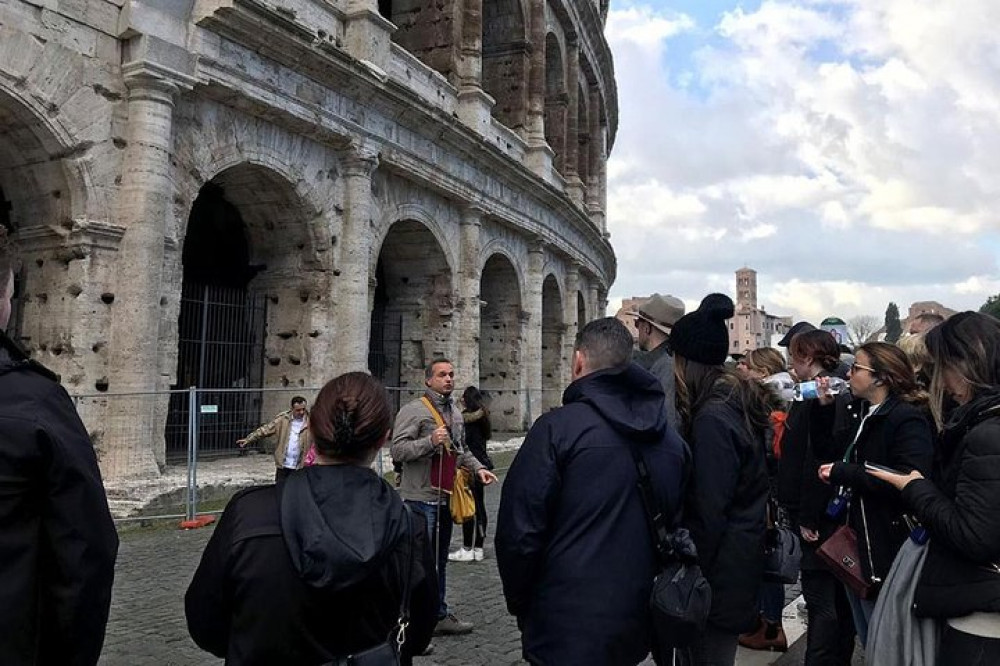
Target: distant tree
[[992, 306], [862, 327], [893, 327]]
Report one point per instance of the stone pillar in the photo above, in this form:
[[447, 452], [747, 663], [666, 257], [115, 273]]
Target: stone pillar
[[598, 140], [570, 320], [352, 311], [469, 325], [531, 369], [594, 303], [539, 157], [474, 105], [367, 34], [144, 207], [574, 186]]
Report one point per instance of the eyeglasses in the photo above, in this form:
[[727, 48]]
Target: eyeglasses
[[857, 366]]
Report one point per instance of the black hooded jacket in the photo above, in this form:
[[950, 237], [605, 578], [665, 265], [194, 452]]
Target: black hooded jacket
[[310, 570], [573, 546], [57, 541]]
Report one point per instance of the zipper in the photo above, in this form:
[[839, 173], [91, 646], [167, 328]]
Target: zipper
[[868, 540]]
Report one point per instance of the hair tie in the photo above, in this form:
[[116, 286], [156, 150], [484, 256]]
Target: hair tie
[[343, 429]]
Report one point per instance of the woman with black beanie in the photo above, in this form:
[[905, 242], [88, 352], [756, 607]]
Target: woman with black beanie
[[724, 418]]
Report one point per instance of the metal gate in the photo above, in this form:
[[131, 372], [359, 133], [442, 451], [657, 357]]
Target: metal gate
[[385, 353], [220, 346]]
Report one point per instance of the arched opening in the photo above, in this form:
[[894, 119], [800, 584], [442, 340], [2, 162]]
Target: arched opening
[[412, 309], [500, 339], [425, 29], [243, 320], [581, 311], [552, 340], [506, 61], [556, 100], [583, 137]]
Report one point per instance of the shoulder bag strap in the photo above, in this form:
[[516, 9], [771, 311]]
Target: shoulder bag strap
[[654, 517], [433, 410], [404, 603]]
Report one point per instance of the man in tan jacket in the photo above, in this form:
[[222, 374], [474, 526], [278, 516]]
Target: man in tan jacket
[[293, 439]]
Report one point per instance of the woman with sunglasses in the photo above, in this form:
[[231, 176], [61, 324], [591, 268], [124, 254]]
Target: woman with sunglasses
[[889, 425], [958, 505]]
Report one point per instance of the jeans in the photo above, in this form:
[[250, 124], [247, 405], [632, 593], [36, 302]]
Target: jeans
[[861, 610], [961, 649], [474, 531], [438, 517], [830, 639], [713, 647], [771, 599]]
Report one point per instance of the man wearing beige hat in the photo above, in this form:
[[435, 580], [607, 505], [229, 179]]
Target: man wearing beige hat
[[653, 321]]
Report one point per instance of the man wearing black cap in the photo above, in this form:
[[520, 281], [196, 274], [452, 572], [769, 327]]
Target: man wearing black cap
[[799, 327], [653, 321]]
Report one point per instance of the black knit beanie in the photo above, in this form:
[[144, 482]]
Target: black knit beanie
[[702, 335]]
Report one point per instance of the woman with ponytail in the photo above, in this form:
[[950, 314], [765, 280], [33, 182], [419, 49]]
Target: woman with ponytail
[[724, 418], [890, 425], [312, 571]]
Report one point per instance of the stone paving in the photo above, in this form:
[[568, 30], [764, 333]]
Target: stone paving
[[155, 566]]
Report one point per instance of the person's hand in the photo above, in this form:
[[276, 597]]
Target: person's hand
[[824, 398], [898, 481], [486, 477], [439, 436], [824, 472], [241, 443], [812, 536]]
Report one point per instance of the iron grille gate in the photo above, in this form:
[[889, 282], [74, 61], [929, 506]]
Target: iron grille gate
[[385, 354], [220, 346]]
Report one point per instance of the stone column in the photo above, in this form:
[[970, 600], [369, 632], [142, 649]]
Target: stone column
[[598, 140], [469, 325], [367, 34], [574, 186], [539, 157], [531, 369], [570, 320], [144, 208], [352, 311], [594, 302], [474, 105]]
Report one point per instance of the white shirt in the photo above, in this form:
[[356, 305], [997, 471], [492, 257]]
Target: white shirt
[[292, 450]]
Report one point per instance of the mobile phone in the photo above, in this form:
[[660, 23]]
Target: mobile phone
[[883, 468]]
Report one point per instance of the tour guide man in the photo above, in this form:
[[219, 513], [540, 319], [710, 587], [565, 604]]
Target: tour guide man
[[428, 441]]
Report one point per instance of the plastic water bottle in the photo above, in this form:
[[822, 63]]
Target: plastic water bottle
[[811, 390]]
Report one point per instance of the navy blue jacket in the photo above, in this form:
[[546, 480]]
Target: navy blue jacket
[[573, 544]]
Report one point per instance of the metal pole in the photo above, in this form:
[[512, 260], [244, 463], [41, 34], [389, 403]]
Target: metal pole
[[192, 451]]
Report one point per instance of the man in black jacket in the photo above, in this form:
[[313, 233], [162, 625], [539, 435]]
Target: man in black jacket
[[573, 545], [58, 549]]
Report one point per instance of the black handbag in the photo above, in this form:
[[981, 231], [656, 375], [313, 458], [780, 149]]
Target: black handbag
[[782, 550], [681, 598], [388, 653]]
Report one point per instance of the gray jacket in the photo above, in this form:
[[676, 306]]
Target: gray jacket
[[412, 448], [660, 362]]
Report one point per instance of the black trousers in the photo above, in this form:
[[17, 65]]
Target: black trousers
[[830, 638], [474, 531], [961, 649]]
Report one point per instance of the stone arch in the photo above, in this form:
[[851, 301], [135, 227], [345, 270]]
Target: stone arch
[[413, 306], [553, 329], [581, 311], [417, 213], [506, 57], [583, 165], [427, 30], [556, 100], [501, 338]]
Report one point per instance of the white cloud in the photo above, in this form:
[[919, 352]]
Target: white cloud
[[846, 149]]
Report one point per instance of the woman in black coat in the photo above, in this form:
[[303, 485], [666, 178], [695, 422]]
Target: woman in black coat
[[958, 505], [314, 570], [478, 431], [724, 418], [890, 426]]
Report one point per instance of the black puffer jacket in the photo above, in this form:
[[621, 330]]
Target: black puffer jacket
[[959, 507], [318, 576], [57, 541], [725, 508], [898, 435]]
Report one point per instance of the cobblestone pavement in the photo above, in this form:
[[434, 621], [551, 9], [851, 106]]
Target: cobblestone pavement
[[155, 566]]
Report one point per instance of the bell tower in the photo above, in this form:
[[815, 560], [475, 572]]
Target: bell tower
[[746, 289]]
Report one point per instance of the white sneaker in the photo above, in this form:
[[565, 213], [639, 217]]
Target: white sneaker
[[461, 555], [478, 554]]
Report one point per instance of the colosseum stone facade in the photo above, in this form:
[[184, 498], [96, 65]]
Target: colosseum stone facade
[[246, 193]]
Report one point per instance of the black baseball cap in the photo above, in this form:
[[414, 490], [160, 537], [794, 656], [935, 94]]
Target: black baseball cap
[[799, 327]]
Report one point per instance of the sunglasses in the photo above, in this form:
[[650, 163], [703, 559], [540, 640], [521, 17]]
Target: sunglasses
[[857, 366]]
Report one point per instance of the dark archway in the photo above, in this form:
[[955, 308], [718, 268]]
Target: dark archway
[[581, 311], [500, 342], [552, 341], [583, 133], [412, 309], [427, 30], [506, 61], [556, 100]]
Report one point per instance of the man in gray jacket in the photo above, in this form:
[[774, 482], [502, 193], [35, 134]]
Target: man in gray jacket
[[653, 321], [428, 431]]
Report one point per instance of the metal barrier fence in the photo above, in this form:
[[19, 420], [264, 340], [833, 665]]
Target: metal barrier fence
[[164, 454]]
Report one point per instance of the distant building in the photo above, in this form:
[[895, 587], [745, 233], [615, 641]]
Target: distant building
[[917, 308], [753, 327]]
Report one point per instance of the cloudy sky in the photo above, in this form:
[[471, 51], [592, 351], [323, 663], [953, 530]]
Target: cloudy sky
[[848, 150]]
